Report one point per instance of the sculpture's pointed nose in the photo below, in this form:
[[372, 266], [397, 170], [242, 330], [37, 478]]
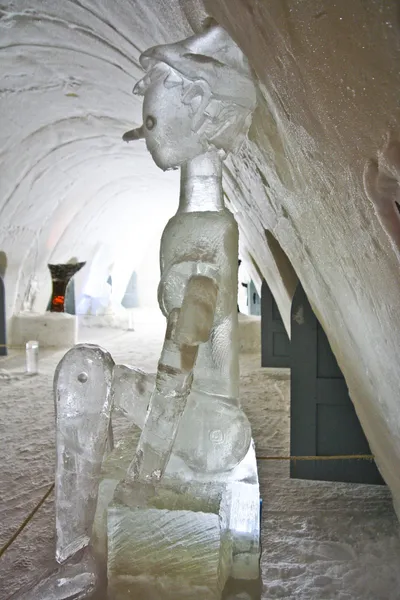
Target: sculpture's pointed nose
[[133, 134], [139, 88]]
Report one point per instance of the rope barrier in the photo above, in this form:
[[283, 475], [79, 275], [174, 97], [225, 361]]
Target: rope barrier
[[11, 347], [26, 520], [338, 457]]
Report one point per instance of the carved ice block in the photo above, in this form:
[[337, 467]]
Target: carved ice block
[[174, 546], [113, 470], [235, 493], [243, 509], [82, 386], [240, 506]]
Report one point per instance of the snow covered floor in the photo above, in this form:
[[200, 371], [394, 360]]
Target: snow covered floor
[[321, 541]]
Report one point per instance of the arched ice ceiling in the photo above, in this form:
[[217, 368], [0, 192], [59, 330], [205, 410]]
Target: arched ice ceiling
[[67, 179], [329, 101]]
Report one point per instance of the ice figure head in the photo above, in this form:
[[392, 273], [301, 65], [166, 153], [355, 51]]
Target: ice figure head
[[199, 95]]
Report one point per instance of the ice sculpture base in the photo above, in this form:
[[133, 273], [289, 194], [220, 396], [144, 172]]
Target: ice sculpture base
[[51, 329], [167, 553], [189, 538]]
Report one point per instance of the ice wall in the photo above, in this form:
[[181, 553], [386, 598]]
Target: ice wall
[[315, 183], [322, 175]]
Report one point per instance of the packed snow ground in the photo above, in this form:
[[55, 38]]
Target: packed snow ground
[[321, 541]]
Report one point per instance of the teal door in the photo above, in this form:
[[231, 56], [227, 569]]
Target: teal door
[[323, 421], [275, 343], [3, 338]]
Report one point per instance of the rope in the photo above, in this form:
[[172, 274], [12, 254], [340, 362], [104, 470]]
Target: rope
[[26, 520], [338, 457], [11, 346]]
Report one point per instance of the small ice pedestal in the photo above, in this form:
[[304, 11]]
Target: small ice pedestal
[[32, 357], [194, 537], [171, 545], [50, 330]]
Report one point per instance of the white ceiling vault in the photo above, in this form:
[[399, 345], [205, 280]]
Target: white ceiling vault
[[67, 180]]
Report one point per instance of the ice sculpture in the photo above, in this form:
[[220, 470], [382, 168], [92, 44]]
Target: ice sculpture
[[82, 390], [60, 277], [173, 511]]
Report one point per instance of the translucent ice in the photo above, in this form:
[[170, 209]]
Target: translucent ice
[[199, 96], [113, 470], [82, 386], [175, 547], [75, 580], [165, 541], [222, 434], [167, 403], [132, 389], [178, 511], [214, 433]]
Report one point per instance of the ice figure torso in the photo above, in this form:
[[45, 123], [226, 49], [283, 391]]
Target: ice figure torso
[[190, 243]]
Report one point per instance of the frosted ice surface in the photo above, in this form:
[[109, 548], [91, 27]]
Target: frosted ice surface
[[132, 389], [243, 512], [221, 435], [233, 496], [113, 470], [75, 580], [214, 433], [166, 407], [163, 550], [206, 237], [82, 387], [199, 96]]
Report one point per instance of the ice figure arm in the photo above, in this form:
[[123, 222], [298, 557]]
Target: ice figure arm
[[82, 387], [131, 391], [196, 316], [187, 328]]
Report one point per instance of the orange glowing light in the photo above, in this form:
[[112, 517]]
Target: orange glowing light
[[58, 300]]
